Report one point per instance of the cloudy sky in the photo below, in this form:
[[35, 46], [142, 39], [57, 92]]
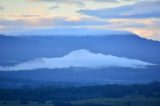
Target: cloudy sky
[[138, 16]]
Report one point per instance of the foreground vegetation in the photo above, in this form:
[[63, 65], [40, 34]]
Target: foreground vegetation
[[92, 102], [119, 102], [102, 95]]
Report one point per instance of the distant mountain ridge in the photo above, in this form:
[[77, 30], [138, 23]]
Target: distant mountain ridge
[[19, 49], [31, 47]]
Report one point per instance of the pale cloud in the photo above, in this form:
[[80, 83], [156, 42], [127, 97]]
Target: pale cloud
[[65, 31], [148, 33], [74, 18], [1, 8], [81, 21], [145, 9], [142, 27], [147, 28], [13, 23], [104, 1], [125, 23], [53, 7], [79, 58], [30, 15], [68, 2], [120, 0], [138, 16], [34, 21]]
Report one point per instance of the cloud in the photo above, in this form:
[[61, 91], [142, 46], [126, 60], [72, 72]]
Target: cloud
[[69, 31], [79, 58], [56, 26], [12, 23], [145, 9], [36, 25], [68, 2], [81, 22], [116, 1], [126, 23], [1, 8], [35, 21], [53, 7], [30, 15], [146, 28], [105, 1]]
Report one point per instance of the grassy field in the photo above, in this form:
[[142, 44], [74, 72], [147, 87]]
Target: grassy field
[[16, 103], [96, 102], [9, 104], [120, 102]]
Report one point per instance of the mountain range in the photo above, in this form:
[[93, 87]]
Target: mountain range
[[125, 58]]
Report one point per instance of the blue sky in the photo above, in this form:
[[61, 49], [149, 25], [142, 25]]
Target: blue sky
[[138, 16]]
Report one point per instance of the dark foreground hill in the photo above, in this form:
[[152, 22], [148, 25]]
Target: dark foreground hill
[[106, 95]]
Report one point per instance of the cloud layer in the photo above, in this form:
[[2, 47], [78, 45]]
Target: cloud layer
[[70, 2], [34, 21], [136, 16], [145, 9], [79, 58], [1, 8], [68, 32]]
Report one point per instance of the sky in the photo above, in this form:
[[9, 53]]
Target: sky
[[141, 17]]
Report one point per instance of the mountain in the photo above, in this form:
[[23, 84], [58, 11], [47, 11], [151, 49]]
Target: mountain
[[22, 50]]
